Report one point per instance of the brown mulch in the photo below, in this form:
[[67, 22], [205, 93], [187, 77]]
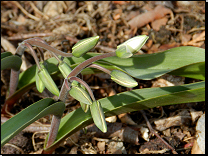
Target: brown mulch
[[168, 24]]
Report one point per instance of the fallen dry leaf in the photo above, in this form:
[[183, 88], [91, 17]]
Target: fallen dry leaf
[[145, 18], [158, 23], [182, 118], [125, 118], [126, 134]]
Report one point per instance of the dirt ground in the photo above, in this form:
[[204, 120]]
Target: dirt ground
[[168, 24]]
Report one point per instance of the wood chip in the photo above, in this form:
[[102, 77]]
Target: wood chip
[[145, 18]]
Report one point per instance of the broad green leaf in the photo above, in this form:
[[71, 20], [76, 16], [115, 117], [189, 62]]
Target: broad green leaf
[[129, 101], [149, 66], [146, 67], [27, 116], [5, 54], [11, 62], [196, 71]]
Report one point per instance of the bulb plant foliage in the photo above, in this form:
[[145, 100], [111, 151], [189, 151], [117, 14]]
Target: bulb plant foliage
[[75, 86], [72, 85]]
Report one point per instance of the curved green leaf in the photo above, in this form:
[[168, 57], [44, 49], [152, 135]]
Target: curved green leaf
[[131, 101], [11, 62], [196, 71], [5, 54], [27, 116], [147, 66]]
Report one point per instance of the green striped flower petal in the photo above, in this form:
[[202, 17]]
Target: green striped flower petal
[[84, 107], [64, 69], [39, 84], [123, 79], [48, 81], [131, 46], [98, 116], [80, 94], [83, 46]]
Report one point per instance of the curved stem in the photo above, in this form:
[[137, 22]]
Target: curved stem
[[65, 87], [41, 53], [84, 84], [100, 68], [84, 64], [33, 54], [44, 45]]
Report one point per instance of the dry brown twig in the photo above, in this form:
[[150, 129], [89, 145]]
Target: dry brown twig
[[152, 130], [25, 12], [16, 147]]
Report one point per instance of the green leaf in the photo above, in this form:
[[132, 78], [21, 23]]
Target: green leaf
[[11, 62], [149, 66], [5, 54], [146, 67], [27, 116], [196, 71], [129, 101]]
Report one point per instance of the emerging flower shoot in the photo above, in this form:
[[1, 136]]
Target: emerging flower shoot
[[83, 46], [48, 81], [123, 79], [131, 46]]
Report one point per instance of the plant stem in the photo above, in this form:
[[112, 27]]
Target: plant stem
[[100, 68], [84, 64], [54, 130], [64, 90], [41, 53], [78, 69], [36, 42], [14, 78], [33, 54]]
